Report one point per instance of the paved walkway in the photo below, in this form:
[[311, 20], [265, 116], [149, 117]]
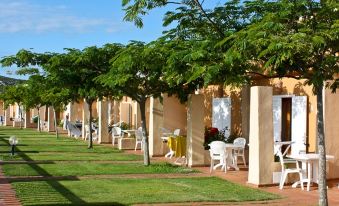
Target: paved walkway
[[291, 196], [7, 194]]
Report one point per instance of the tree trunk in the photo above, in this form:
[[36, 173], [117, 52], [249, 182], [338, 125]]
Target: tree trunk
[[142, 105], [221, 90], [90, 141], [39, 125], [323, 201], [55, 124]]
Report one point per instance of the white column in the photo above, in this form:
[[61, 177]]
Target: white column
[[156, 146], [109, 110], [103, 136], [50, 120], [27, 119], [261, 157], [85, 116], [8, 117], [116, 111], [71, 111], [195, 130]]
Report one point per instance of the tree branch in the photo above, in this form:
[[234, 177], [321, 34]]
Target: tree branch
[[274, 76], [209, 19], [173, 2]]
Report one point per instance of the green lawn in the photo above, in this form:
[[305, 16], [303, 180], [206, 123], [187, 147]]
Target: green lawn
[[132, 191], [69, 160], [44, 146], [88, 168]]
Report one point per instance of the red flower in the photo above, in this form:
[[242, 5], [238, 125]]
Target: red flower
[[213, 131]]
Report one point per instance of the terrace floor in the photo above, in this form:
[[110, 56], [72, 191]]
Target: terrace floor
[[292, 196]]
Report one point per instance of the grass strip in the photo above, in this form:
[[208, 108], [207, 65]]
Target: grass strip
[[134, 191], [89, 168]]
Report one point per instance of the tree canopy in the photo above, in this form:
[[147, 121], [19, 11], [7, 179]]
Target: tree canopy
[[138, 72], [300, 40], [76, 70]]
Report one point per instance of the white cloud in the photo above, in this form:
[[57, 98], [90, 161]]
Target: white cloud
[[21, 16]]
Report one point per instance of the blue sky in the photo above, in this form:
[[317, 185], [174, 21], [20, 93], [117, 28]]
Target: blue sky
[[51, 25]]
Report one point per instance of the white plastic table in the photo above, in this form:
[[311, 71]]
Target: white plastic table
[[129, 132], [231, 159], [165, 136], [311, 160]]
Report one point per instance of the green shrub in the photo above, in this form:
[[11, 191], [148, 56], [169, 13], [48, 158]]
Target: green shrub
[[35, 119]]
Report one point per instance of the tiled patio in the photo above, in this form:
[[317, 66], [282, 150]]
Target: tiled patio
[[291, 196]]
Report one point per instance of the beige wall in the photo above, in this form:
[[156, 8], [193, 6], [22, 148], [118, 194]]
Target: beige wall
[[241, 102], [170, 114], [216, 92], [261, 132], [148, 112], [115, 116], [175, 114], [331, 112], [290, 86], [126, 112], [196, 154], [2, 108], [103, 136], [156, 120]]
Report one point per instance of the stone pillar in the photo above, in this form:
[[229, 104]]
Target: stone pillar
[[50, 120], [156, 146], [195, 130], [103, 136], [17, 111], [331, 119], [109, 110], [116, 111], [245, 114], [27, 119], [261, 156], [72, 112], [8, 117], [136, 116], [85, 116]]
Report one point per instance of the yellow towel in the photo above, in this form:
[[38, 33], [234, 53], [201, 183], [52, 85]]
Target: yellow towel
[[171, 143], [177, 144], [180, 146]]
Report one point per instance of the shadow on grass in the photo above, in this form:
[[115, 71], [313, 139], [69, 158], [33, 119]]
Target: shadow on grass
[[44, 178], [93, 203], [10, 162], [19, 152], [75, 200]]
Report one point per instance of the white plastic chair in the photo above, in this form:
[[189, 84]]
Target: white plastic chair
[[176, 132], [118, 124], [138, 139], [165, 133], [94, 134], [116, 133], [218, 152], [286, 171], [240, 152], [73, 130]]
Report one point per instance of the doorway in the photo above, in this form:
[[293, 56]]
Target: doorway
[[286, 121], [290, 121]]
